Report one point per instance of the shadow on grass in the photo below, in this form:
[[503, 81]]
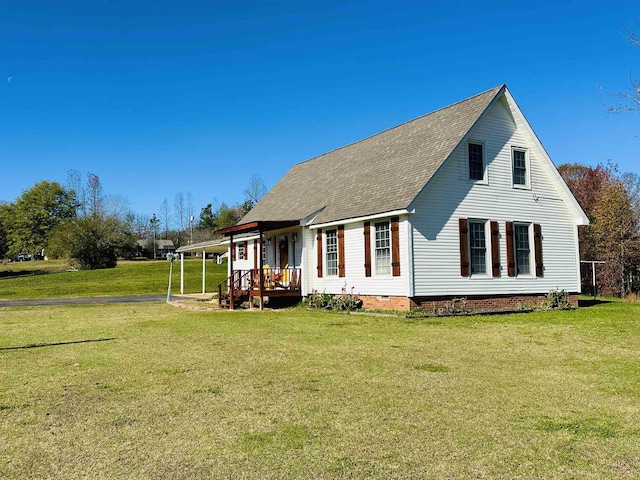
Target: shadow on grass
[[38, 345], [591, 302]]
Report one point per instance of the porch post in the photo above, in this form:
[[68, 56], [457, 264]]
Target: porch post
[[182, 273], [261, 271], [204, 257], [231, 283]]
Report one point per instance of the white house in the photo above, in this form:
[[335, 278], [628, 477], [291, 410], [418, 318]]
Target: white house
[[461, 202]]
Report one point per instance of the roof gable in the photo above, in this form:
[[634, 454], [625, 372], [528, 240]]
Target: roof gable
[[381, 173]]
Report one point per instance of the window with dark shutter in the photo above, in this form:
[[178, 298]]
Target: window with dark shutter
[[331, 250], [522, 248], [495, 249], [511, 260], [395, 246], [383, 248], [367, 249], [463, 227], [319, 252], [341, 269], [537, 242]]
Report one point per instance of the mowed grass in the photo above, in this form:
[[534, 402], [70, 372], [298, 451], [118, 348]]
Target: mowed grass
[[152, 391], [42, 279]]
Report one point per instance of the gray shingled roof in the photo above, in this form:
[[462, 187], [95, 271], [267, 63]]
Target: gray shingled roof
[[382, 173]]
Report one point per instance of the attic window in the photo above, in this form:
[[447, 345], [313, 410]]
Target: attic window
[[519, 167], [476, 161]]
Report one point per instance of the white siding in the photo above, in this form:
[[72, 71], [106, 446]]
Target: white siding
[[354, 264], [451, 196]]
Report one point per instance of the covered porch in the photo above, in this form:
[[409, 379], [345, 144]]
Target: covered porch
[[217, 247], [270, 269]]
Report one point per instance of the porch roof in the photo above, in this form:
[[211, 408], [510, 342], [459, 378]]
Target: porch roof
[[257, 226], [218, 245]]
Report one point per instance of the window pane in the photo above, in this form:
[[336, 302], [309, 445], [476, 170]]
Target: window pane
[[521, 235], [519, 167], [476, 162], [477, 242], [383, 249], [332, 252]]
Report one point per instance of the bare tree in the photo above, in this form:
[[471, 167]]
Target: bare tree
[[254, 192], [94, 194], [629, 100], [180, 211], [77, 186], [165, 216]]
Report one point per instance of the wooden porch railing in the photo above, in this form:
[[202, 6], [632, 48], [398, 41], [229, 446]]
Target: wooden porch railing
[[247, 282]]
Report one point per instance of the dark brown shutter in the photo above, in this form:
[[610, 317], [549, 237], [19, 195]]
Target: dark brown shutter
[[341, 250], [233, 251], [537, 242], [395, 246], [246, 250], [255, 254], [367, 249], [495, 249], [319, 247], [463, 226], [511, 261]]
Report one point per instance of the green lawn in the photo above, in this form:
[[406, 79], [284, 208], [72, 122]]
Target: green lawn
[[50, 279], [152, 391]]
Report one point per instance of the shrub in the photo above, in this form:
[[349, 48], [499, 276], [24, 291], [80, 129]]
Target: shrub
[[347, 301], [556, 300]]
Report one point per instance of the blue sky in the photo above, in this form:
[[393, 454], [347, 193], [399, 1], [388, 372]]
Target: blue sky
[[163, 97]]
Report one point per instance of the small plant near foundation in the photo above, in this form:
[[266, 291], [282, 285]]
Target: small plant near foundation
[[556, 300], [346, 301], [457, 306]]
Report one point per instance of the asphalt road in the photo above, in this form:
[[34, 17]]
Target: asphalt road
[[43, 302]]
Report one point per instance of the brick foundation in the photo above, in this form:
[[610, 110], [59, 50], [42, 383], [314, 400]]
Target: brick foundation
[[374, 302], [444, 304]]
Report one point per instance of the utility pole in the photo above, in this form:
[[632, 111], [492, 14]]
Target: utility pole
[[154, 225], [191, 226]]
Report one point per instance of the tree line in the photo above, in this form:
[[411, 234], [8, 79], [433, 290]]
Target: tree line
[[611, 200], [79, 222]]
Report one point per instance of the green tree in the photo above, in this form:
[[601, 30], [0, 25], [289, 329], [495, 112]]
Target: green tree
[[615, 224], [31, 218], [94, 241], [99, 235], [207, 218], [612, 202], [3, 234]]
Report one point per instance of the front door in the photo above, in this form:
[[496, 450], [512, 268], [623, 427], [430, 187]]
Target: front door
[[283, 247]]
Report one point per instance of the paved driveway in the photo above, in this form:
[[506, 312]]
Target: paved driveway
[[42, 302]]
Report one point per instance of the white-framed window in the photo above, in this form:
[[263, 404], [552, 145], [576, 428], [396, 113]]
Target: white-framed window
[[383, 248], [478, 247], [476, 162], [522, 248], [332, 252], [241, 252], [520, 167]]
